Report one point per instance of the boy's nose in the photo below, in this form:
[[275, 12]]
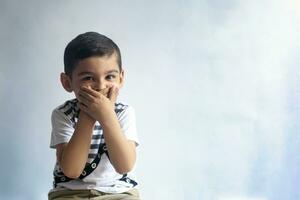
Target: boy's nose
[[99, 86]]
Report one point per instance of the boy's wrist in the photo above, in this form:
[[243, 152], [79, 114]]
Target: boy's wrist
[[83, 116], [109, 119]]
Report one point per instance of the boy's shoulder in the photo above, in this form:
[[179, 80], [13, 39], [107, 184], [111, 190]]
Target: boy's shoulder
[[68, 110], [72, 103], [119, 107], [124, 109]]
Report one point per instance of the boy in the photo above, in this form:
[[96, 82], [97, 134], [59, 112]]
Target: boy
[[94, 137]]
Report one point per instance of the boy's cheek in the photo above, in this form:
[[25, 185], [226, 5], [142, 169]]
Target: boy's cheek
[[85, 85], [76, 94]]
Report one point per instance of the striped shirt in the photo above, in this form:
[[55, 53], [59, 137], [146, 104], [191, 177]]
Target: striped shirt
[[104, 177]]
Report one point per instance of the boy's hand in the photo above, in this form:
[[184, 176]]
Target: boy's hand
[[96, 104]]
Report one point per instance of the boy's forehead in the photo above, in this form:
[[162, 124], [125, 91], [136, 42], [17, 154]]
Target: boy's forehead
[[97, 64]]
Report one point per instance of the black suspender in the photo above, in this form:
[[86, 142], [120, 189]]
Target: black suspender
[[61, 178]]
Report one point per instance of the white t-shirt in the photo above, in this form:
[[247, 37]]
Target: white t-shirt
[[104, 177]]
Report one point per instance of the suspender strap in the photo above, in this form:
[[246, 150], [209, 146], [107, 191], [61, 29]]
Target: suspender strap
[[61, 178]]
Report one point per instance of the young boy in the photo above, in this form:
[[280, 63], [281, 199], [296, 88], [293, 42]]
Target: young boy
[[94, 137]]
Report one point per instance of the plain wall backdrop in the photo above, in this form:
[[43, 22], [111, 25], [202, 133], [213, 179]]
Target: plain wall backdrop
[[215, 86]]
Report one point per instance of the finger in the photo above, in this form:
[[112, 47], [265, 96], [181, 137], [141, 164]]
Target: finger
[[82, 100], [113, 93], [105, 91], [90, 91], [85, 95], [82, 107]]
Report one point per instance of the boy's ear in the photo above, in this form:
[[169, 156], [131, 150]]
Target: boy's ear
[[66, 82], [122, 78]]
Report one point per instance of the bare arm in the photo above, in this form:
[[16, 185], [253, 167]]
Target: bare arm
[[72, 156], [121, 151]]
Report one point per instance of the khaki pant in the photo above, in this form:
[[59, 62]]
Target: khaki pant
[[132, 194]]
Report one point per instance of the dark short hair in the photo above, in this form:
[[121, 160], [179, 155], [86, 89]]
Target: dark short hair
[[87, 45]]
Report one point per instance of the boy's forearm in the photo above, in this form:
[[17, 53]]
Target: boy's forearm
[[121, 151], [75, 154]]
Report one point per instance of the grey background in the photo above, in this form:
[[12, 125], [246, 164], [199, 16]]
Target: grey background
[[214, 84]]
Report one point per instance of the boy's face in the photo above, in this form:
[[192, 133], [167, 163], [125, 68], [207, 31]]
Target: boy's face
[[98, 73]]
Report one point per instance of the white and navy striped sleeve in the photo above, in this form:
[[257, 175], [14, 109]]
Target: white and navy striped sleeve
[[62, 128], [127, 121]]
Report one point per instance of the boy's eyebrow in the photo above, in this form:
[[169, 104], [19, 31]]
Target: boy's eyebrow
[[84, 73], [112, 71], [89, 73]]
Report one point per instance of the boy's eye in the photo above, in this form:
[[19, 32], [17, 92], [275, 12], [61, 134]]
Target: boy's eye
[[110, 77], [87, 78]]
